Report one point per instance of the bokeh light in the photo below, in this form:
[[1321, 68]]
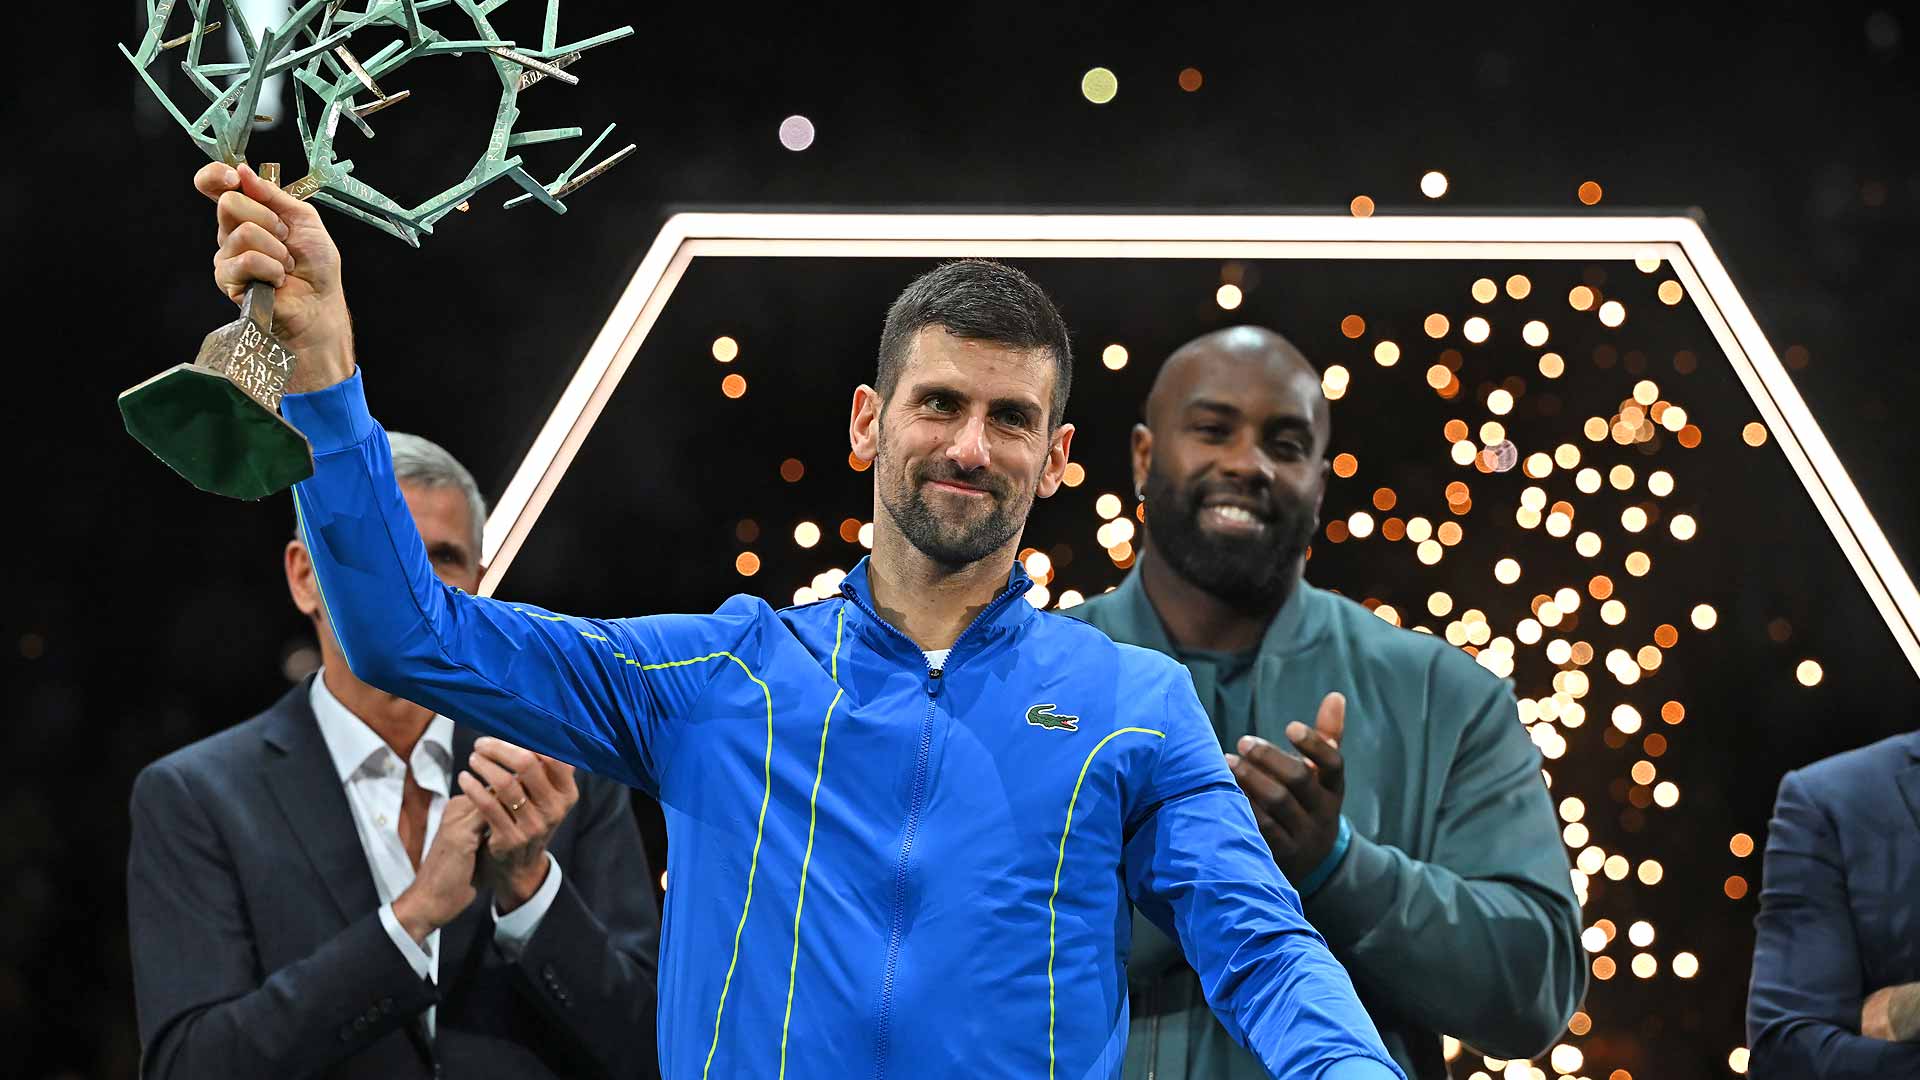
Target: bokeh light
[[796, 133], [1099, 85]]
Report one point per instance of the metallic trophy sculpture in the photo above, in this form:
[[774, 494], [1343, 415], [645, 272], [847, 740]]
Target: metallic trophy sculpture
[[216, 421]]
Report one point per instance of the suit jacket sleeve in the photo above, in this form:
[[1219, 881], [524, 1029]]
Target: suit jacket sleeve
[[1495, 895], [603, 694], [591, 966], [1196, 866], [1803, 1006], [205, 1008]]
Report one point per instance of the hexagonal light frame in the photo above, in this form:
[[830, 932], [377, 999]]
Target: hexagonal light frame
[[1676, 239]]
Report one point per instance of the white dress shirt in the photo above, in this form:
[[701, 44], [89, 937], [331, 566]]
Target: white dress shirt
[[375, 781]]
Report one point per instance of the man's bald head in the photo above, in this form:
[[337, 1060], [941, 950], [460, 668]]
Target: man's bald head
[[1248, 356]]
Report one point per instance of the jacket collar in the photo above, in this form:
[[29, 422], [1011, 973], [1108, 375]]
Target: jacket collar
[[351, 743], [1002, 616], [1296, 627]]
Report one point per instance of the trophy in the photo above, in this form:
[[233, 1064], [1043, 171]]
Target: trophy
[[216, 421]]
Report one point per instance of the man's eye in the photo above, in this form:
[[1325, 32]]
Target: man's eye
[[940, 404], [1013, 418], [1211, 431], [1289, 451]]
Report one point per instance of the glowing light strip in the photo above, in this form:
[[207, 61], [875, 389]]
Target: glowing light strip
[[1675, 238], [1790, 422]]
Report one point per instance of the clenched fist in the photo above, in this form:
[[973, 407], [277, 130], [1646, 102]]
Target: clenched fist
[[270, 236]]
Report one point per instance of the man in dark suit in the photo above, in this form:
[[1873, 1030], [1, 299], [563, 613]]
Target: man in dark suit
[[301, 889], [1836, 968]]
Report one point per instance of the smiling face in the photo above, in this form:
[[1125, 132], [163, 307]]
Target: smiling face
[[962, 447], [1232, 461]]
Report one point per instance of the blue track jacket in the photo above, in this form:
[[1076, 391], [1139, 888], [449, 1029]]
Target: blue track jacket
[[876, 869]]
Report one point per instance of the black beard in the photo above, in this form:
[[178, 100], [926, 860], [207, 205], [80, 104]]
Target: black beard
[[1254, 576], [953, 547]]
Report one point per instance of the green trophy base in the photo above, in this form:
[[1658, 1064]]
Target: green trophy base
[[214, 434]]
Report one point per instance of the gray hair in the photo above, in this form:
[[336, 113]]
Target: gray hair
[[427, 464]]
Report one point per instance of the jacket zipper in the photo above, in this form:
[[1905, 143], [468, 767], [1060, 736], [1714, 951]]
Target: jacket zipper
[[895, 928]]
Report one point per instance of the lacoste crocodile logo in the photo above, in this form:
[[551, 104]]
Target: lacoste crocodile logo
[[1043, 716]]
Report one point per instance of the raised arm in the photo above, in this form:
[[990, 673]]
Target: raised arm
[[582, 690], [1197, 868]]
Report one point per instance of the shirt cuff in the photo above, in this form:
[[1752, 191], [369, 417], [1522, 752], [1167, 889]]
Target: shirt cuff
[[409, 948], [1341, 842], [513, 930], [1358, 1068], [334, 418]]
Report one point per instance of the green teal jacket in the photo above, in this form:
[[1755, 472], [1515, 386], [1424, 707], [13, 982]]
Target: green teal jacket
[[1453, 909]]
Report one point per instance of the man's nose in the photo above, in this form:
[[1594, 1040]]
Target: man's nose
[[1245, 458], [969, 447]]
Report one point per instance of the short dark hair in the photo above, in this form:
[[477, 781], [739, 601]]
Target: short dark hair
[[979, 300]]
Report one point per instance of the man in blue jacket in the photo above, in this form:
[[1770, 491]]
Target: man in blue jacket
[[1836, 963], [907, 821]]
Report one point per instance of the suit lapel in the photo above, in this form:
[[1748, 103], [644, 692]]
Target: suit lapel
[[1910, 787], [456, 938], [314, 803], [463, 738]]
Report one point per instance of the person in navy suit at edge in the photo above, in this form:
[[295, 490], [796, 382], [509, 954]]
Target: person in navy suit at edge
[[1836, 967], [301, 888]]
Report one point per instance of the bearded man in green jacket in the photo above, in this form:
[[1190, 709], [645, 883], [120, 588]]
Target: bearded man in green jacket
[[1388, 771]]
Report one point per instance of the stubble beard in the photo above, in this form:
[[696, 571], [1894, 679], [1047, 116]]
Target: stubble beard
[[951, 546]]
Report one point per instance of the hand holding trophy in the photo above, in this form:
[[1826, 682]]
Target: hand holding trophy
[[216, 421]]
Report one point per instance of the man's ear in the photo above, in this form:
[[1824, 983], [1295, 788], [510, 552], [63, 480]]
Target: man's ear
[[301, 584], [1055, 468], [1142, 454], [863, 428]]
